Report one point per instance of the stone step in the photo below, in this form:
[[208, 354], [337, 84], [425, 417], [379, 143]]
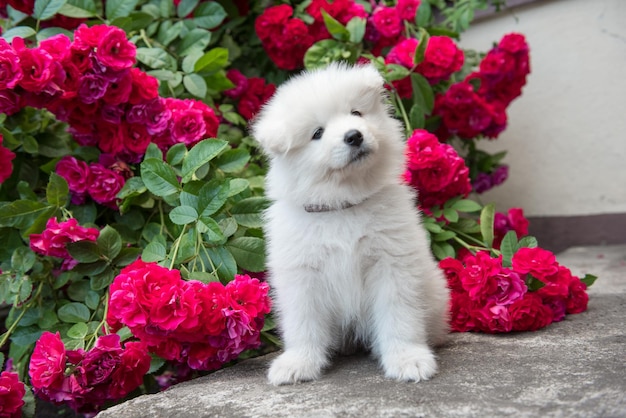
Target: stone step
[[574, 368]]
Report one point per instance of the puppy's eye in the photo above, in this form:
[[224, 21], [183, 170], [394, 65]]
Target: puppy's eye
[[318, 133], [356, 113]]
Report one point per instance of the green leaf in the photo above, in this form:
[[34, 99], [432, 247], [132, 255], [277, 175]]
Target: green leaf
[[416, 117], [155, 364], [159, 177], [589, 279], [209, 15], [119, 8], [528, 242], [196, 40], [185, 7], [442, 250], [92, 300], [84, 251], [444, 236], [421, 47], [356, 27], [233, 160], [78, 331], [156, 58], [102, 280], [203, 276], [336, 29], [422, 93], [18, 32], [90, 269], [508, 247], [74, 312], [183, 215], [487, 216], [25, 336], [176, 154], [237, 186], [466, 205], [423, 15], [79, 8], [127, 256], [249, 252], [212, 196], [21, 213], [451, 215], [326, 51], [22, 259], [533, 284], [394, 72], [212, 230], [46, 33], [200, 154], [433, 227], [248, 212], [45, 9], [154, 251], [195, 85], [57, 192], [215, 59], [224, 262], [109, 242]]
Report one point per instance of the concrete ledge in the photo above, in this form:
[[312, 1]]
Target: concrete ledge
[[574, 368]]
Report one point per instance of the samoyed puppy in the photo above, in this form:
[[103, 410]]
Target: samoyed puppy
[[349, 263]]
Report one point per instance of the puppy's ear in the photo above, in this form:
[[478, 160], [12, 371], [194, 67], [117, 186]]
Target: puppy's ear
[[271, 133]]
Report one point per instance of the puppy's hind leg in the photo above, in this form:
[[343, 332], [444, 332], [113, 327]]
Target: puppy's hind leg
[[306, 329], [399, 337]]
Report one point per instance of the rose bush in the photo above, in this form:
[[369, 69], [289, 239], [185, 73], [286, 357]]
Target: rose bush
[[131, 194]]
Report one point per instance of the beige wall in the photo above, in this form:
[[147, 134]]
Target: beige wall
[[566, 135]]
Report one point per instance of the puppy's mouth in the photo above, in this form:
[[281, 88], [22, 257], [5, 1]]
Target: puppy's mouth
[[359, 155]]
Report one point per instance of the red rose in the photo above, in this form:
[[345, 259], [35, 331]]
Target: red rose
[[239, 80], [478, 277], [77, 175], [536, 261], [387, 22], [441, 58], [10, 69], [514, 43], [494, 319], [38, 67], [463, 313], [10, 102], [52, 241], [254, 97], [530, 314], [144, 86], [452, 269], [271, 22], [106, 184], [58, 46], [578, 298], [6, 166], [47, 363], [114, 50], [119, 91], [24, 6], [12, 392], [134, 365], [513, 220], [250, 295], [407, 9], [100, 362]]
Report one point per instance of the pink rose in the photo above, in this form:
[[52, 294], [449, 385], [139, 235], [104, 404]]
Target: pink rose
[[239, 80], [118, 92], [10, 102], [387, 22], [53, 239], [536, 261], [78, 177], [128, 376], [6, 166], [114, 50], [58, 46], [530, 314], [38, 67], [100, 362], [106, 184], [12, 392], [478, 276], [407, 9], [144, 86], [47, 363], [509, 287], [441, 58], [10, 69], [250, 295]]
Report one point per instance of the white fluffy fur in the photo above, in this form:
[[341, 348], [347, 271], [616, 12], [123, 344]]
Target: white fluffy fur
[[361, 275]]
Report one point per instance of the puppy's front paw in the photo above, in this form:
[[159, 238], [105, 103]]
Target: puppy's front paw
[[413, 363], [291, 367]]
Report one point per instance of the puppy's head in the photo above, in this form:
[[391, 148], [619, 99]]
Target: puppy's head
[[329, 131]]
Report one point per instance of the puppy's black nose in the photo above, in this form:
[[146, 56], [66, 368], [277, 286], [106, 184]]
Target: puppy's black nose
[[353, 138]]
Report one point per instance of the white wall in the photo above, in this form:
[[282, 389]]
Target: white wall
[[566, 135]]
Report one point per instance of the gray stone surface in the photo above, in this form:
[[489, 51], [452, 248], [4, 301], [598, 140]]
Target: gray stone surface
[[575, 368]]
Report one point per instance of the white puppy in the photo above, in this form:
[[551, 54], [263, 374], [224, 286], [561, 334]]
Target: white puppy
[[348, 259]]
